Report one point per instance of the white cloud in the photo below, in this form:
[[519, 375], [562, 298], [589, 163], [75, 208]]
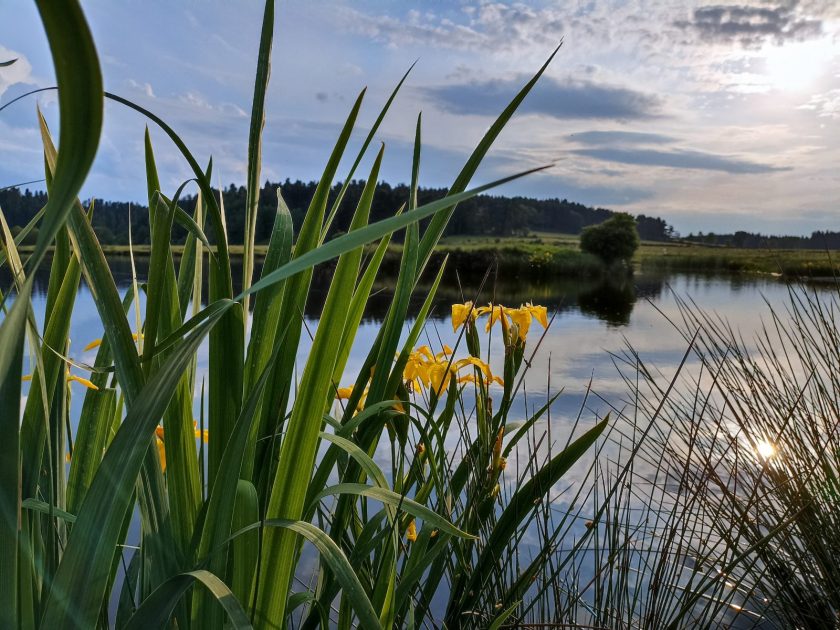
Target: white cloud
[[145, 87], [18, 72], [826, 105]]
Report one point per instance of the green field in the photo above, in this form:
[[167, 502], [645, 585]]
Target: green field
[[675, 256], [558, 254]]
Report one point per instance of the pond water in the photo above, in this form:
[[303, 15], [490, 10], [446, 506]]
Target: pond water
[[592, 321], [593, 324]]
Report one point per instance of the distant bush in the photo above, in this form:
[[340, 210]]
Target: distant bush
[[614, 239]]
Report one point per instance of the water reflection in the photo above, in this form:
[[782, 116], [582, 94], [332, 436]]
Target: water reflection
[[610, 300]]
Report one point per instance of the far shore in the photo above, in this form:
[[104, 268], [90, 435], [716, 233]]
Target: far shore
[[558, 254]]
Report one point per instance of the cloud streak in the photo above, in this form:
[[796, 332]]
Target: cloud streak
[[751, 26], [572, 99], [613, 137], [490, 26], [679, 158]]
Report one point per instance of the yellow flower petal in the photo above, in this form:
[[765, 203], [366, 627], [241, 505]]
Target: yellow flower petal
[[460, 313], [83, 381], [344, 393], [411, 532], [161, 453], [498, 313], [481, 365], [93, 344], [424, 351], [522, 318], [439, 375], [26, 377], [540, 314]]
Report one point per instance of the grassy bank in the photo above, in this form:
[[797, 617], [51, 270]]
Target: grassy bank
[[558, 254], [791, 263], [546, 255], [471, 257]]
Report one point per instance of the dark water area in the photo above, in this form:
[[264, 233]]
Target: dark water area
[[609, 299]]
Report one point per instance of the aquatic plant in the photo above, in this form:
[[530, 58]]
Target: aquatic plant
[[225, 502]]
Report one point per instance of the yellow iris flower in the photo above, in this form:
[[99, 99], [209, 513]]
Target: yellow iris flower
[[70, 378], [460, 314], [98, 342], [203, 435], [83, 381], [411, 532], [521, 316], [436, 374], [497, 314]]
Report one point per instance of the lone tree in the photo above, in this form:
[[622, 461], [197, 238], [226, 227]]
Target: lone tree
[[614, 239]]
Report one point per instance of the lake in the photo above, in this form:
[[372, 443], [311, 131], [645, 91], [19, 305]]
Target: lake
[[593, 320], [594, 324]]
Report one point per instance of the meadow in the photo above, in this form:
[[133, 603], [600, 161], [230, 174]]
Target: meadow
[[255, 494]]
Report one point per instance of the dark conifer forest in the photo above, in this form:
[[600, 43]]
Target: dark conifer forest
[[485, 215]]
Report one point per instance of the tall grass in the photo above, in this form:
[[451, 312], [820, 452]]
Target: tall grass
[[722, 481], [226, 501]]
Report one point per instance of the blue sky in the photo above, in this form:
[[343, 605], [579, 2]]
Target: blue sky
[[716, 117]]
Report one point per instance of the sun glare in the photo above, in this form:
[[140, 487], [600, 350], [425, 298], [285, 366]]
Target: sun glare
[[765, 449], [797, 66]]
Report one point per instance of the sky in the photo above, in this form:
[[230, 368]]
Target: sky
[[716, 117]]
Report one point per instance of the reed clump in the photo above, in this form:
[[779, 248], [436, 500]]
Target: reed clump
[[203, 514]]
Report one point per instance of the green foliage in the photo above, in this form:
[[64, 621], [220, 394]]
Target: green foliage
[[222, 525], [615, 239]]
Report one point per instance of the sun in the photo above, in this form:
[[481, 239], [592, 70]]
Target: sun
[[765, 449], [797, 66]]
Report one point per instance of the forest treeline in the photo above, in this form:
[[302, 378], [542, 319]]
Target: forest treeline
[[749, 240], [483, 215]]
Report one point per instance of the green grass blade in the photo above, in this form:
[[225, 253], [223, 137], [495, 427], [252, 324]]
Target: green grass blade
[[79, 587], [80, 111], [300, 443], [222, 500], [295, 295], [521, 504], [102, 286], [373, 471], [499, 621], [95, 423], [33, 222], [357, 307], [35, 433], [80, 102], [157, 608], [227, 340], [267, 304], [226, 365], [435, 230], [389, 497], [362, 151], [392, 327], [11, 361], [245, 548], [337, 561], [374, 232], [252, 183], [36, 505]]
